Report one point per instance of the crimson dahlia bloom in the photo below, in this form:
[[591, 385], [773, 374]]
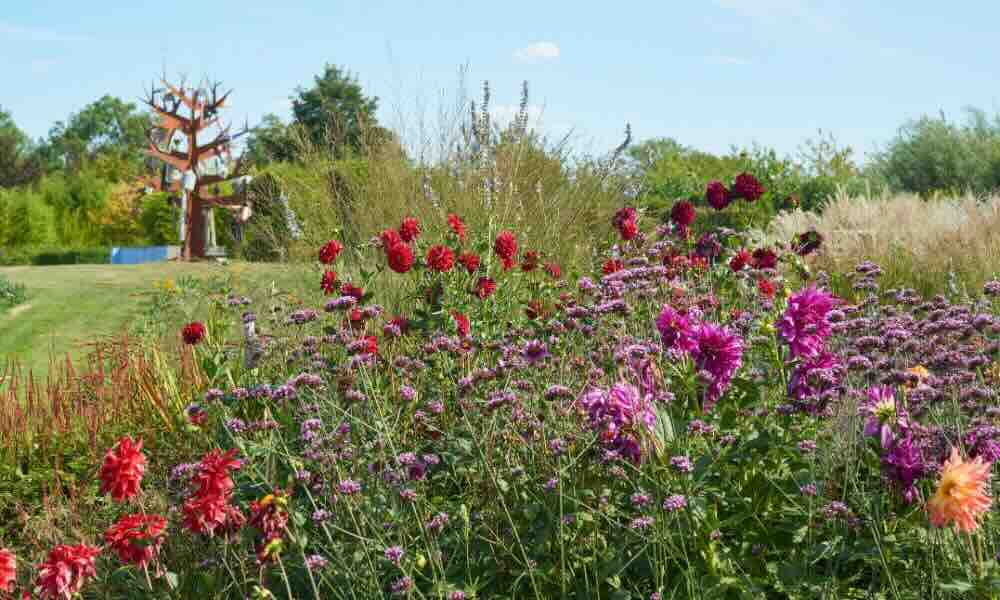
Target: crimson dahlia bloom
[[553, 269], [717, 195], [330, 251], [400, 258], [718, 354], [485, 287], [808, 242], [505, 247], [409, 230], [440, 258], [805, 325], [193, 333], [461, 323], [676, 330], [612, 266], [390, 237], [66, 570], [137, 538], [329, 282], [766, 288], [213, 476], [747, 187], [623, 216], [764, 258], [682, 214], [740, 260], [457, 226], [123, 468], [469, 261], [628, 230], [353, 291], [8, 570]]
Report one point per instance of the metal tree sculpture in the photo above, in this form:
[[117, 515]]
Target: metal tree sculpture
[[174, 141]]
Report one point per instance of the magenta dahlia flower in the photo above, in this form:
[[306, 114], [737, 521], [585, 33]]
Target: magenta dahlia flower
[[718, 353], [805, 325], [882, 414], [620, 415], [676, 330]]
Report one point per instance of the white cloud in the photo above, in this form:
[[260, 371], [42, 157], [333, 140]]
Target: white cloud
[[538, 51], [37, 34], [728, 60]]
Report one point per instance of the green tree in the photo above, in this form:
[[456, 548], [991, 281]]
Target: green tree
[[271, 140], [108, 126], [18, 163], [336, 110]]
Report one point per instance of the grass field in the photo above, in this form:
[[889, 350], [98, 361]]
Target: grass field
[[68, 306]]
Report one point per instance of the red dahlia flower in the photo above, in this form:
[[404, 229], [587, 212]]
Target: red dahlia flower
[[193, 333], [628, 230], [553, 269], [764, 258], [390, 237], [747, 187], [766, 288], [470, 262], [808, 242], [682, 214], [400, 258], [329, 282], [351, 290], [457, 226], [371, 345], [66, 569], [137, 538], [213, 476], [123, 468], [507, 263], [623, 216], [461, 323], [612, 266], [717, 195], [409, 230], [330, 251], [8, 570], [740, 260], [205, 514], [505, 247], [529, 262], [485, 287], [440, 258]]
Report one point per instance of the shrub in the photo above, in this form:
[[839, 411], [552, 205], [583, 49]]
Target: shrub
[[159, 219], [11, 292]]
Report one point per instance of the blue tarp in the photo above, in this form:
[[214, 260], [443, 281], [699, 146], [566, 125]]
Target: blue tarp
[[134, 256]]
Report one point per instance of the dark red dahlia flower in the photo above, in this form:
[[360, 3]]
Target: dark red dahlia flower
[[137, 538], [400, 258], [740, 260], [747, 187], [628, 230], [529, 262], [409, 230], [193, 333], [329, 282], [330, 251], [469, 261], [553, 269], [716, 195], [505, 246], [764, 258], [352, 290], [123, 469], [485, 288], [808, 242], [440, 258], [461, 323], [682, 214], [623, 216], [457, 226], [766, 288]]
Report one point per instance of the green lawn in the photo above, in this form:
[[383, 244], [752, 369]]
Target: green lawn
[[67, 306]]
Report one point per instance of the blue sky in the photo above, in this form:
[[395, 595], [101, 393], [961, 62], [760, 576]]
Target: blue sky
[[710, 73]]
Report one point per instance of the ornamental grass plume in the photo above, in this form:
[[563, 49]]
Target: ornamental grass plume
[[122, 470], [962, 494]]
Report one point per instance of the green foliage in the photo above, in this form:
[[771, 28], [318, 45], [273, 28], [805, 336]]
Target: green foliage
[[18, 163], [25, 219], [54, 255], [77, 200], [335, 111], [11, 293], [271, 141], [159, 218], [108, 125], [267, 235]]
